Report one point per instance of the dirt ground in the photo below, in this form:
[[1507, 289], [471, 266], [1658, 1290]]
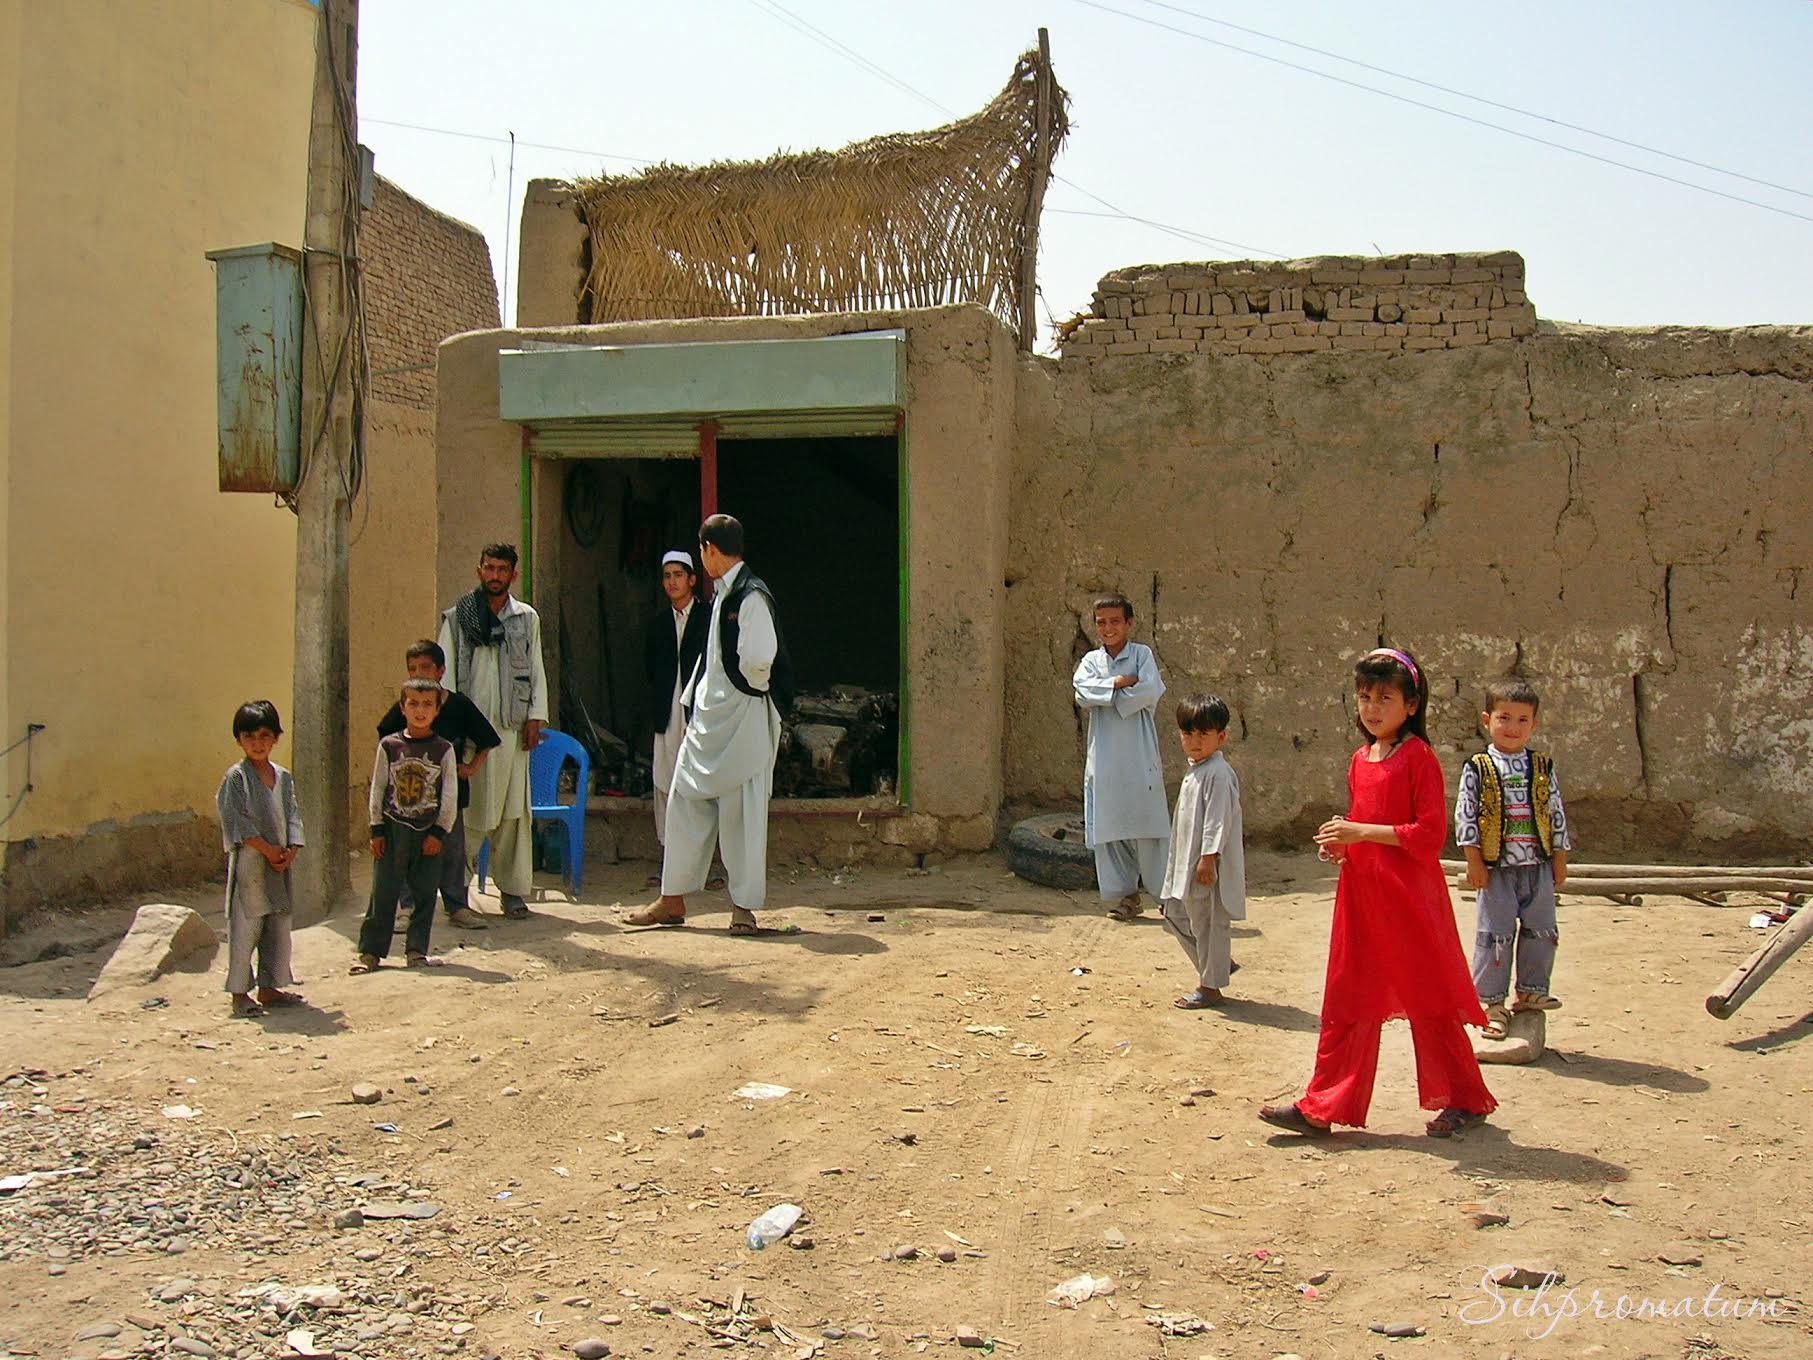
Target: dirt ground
[[975, 1064]]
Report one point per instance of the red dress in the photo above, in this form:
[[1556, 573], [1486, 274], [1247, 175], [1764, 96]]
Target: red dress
[[1394, 952]]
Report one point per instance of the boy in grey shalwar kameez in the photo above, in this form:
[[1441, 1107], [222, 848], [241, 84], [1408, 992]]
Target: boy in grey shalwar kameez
[[261, 830], [1205, 877]]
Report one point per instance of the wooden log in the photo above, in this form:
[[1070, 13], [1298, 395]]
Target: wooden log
[[1799, 872], [1735, 990], [1672, 887]]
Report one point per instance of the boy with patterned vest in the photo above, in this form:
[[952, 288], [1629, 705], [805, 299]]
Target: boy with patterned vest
[[1510, 824]]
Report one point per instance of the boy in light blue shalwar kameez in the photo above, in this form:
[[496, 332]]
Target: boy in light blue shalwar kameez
[[1125, 820]]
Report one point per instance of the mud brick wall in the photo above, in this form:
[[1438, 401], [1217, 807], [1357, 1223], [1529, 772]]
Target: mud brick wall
[[1335, 302], [427, 276]]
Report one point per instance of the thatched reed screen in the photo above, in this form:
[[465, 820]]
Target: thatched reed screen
[[905, 220]]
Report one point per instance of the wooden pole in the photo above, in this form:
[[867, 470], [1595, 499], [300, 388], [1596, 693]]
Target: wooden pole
[[1035, 198], [331, 360], [1735, 990]]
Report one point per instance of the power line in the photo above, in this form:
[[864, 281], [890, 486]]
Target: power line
[[492, 137], [1480, 99], [1447, 112]]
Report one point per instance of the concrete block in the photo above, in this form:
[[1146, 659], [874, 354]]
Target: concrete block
[[162, 937]]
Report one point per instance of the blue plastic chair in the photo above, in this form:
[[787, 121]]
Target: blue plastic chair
[[545, 761]]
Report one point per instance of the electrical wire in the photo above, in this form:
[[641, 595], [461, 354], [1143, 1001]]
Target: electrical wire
[[1445, 112], [490, 137], [1480, 99]]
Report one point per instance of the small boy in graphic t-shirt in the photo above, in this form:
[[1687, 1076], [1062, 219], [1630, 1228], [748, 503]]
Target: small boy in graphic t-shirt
[[414, 800]]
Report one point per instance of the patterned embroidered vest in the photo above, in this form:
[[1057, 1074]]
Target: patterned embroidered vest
[[1492, 804]]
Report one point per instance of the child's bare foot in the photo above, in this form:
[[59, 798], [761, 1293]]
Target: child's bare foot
[[1202, 999], [272, 996], [245, 1008]]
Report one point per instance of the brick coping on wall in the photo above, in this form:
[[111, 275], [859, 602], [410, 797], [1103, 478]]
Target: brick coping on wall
[[1330, 302]]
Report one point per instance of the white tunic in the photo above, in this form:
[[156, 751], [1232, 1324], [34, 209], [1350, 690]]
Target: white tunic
[[733, 737], [500, 789], [1123, 780], [667, 742], [1208, 822]]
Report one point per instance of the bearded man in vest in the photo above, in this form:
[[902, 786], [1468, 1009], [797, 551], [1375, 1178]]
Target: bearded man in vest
[[493, 646], [724, 774]]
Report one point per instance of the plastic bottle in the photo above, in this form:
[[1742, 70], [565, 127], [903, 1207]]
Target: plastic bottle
[[772, 1226]]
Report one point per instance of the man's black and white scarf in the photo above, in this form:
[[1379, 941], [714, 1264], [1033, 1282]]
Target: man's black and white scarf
[[477, 624]]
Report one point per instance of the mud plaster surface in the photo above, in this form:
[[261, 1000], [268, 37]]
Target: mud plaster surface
[[1623, 515]]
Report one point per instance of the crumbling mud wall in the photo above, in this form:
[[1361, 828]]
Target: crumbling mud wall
[[1622, 516]]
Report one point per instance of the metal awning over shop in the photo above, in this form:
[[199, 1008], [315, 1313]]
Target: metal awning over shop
[[650, 401]]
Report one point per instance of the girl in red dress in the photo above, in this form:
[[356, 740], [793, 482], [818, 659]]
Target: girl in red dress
[[1393, 948]]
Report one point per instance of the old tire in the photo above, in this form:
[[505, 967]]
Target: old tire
[[1049, 851]]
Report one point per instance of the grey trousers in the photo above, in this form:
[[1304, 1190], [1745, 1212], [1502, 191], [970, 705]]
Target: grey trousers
[[1120, 866], [1206, 933], [269, 937], [1517, 906]]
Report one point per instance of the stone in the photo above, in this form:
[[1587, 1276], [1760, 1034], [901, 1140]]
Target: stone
[[349, 1218], [162, 938], [1526, 1039], [1114, 1240], [176, 1290], [907, 1136], [906, 1251], [390, 1208], [364, 1093], [970, 1337], [696, 1131], [98, 1331], [799, 1243], [1678, 1254], [947, 1254], [832, 1333], [591, 1348], [1396, 1329], [189, 1345], [1186, 1100], [1527, 1275]]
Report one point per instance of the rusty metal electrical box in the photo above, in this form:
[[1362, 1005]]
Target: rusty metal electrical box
[[258, 338]]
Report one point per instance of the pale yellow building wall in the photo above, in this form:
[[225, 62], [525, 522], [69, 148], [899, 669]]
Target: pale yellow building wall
[[144, 605], [10, 22]]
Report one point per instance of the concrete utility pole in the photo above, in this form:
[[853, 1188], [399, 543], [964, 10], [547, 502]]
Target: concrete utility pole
[[332, 359]]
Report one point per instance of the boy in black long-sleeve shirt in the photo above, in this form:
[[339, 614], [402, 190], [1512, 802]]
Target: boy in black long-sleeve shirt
[[473, 737], [414, 799]]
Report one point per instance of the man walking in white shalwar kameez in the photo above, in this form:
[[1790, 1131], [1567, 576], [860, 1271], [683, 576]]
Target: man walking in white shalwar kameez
[[493, 646], [725, 771], [1125, 820]]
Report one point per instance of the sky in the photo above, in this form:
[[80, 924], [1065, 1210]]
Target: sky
[[1198, 117]]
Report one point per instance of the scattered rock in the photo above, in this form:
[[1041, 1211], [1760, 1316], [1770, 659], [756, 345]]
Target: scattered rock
[[832, 1333], [799, 1243], [590, 1349], [906, 1136], [349, 1218], [176, 1290], [98, 1331], [947, 1254], [969, 1336], [696, 1131], [162, 937], [1524, 1274], [661, 1020], [190, 1345], [1114, 1240], [1484, 1216], [1203, 1091], [611, 1320], [440, 1124], [1397, 1329], [511, 1091], [364, 1093], [660, 1309], [882, 916], [1320, 1277], [390, 1208], [1186, 1100], [1678, 1254], [906, 1251]]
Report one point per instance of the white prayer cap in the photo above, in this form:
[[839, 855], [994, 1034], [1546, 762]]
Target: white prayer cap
[[683, 558]]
